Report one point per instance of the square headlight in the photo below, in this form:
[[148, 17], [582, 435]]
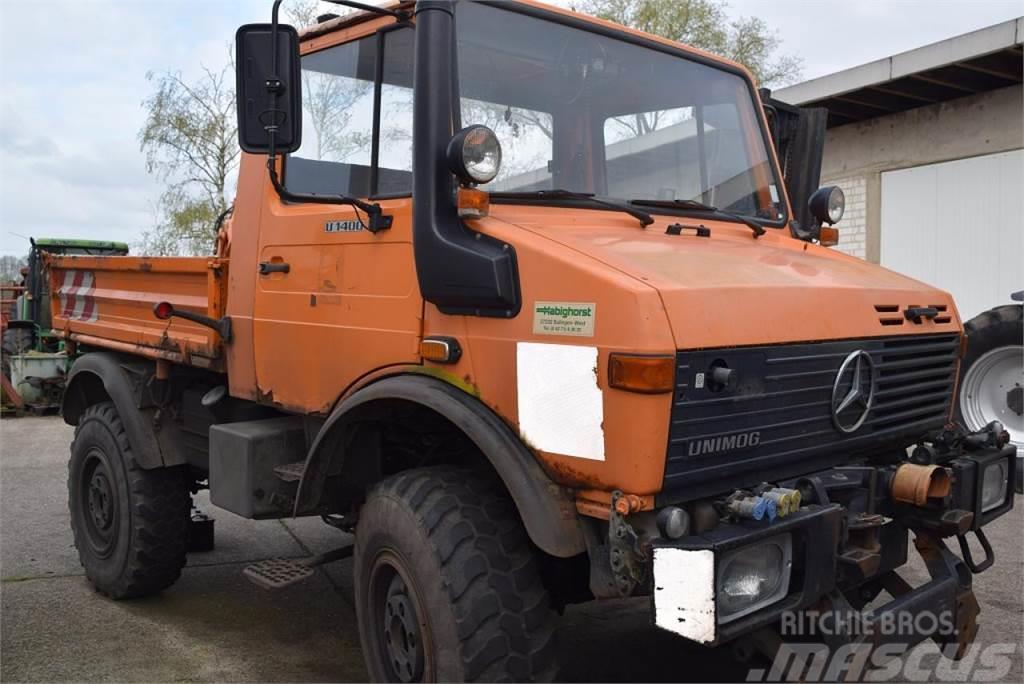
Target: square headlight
[[752, 577], [994, 482]]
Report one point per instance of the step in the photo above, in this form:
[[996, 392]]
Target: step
[[277, 573], [290, 472]]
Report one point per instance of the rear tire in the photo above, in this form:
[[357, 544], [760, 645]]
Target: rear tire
[[447, 588], [130, 525], [15, 341], [991, 371]]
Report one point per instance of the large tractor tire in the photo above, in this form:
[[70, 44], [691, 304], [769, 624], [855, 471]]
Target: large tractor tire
[[447, 586], [130, 525], [992, 375], [16, 341]]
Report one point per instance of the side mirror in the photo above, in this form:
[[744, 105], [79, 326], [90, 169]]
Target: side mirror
[[269, 88]]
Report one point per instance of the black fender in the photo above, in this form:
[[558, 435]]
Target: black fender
[[103, 376], [548, 510]]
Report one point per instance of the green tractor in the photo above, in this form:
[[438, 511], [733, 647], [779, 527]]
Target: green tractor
[[33, 357]]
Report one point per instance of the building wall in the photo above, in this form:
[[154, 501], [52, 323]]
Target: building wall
[[857, 154]]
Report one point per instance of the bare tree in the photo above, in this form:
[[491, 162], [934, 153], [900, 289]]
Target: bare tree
[[329, 99], [190, 141], [10, 268]]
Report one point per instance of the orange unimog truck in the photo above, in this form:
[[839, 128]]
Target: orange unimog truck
[[518, 298]]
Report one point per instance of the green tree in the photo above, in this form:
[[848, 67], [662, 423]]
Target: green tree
[[704, 24], [190, 141]]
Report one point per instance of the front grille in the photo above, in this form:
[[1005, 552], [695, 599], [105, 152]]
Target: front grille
[[777, 422]]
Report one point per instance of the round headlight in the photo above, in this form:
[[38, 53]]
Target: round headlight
[[474, 154], [828, 204]]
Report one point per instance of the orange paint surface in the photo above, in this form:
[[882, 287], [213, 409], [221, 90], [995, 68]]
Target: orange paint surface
[[349, 310]]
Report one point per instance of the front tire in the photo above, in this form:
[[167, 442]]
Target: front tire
[[130, 525], [447, 588]]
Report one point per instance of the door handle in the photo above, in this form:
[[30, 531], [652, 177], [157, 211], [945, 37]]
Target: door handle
[[268, 267]]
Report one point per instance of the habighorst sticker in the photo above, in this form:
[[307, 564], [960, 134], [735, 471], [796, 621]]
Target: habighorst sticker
[[564, 318]]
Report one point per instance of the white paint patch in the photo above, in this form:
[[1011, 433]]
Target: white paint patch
[[561, 410], [684, 593]]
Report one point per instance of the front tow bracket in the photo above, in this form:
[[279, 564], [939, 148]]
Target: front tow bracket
[[965, 551]]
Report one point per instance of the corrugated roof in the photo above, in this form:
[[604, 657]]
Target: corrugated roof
[[970, 63]]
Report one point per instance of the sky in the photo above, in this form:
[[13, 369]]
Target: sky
[[75, 76]]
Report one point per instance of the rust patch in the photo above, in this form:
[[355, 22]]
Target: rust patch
[[566, 474]]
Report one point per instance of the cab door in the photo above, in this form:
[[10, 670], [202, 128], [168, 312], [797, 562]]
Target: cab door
[[334, 301]]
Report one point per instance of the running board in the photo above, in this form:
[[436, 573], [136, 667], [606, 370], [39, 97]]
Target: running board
[[277, 573]]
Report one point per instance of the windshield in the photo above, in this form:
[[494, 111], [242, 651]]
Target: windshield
[[583, 112]]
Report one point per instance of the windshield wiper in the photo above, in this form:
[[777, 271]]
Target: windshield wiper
[[694, 205], [643, 217]]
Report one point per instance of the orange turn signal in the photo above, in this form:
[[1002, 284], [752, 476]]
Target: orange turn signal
[[828, 236], [644, 374], [441, 349], [473, 203]]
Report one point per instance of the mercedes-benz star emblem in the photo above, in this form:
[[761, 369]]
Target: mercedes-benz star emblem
[[853, 391]]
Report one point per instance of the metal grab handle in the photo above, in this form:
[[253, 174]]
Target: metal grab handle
[[267, 267], [965, 551]]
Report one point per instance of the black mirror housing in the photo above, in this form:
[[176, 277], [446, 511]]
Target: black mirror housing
[[269, 88]]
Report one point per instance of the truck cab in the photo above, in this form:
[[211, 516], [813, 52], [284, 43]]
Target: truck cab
[[519, 298]]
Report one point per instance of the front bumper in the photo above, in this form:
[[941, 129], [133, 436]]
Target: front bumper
[[833, 560]]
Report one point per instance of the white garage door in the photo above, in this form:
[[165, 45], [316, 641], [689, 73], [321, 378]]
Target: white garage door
[[958, 225]]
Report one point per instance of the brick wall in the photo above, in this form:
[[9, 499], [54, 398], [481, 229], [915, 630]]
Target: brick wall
[[853, 226]]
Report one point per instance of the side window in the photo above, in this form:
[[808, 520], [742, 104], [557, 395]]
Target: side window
[[394, 175], [337, 121], [338, 133]]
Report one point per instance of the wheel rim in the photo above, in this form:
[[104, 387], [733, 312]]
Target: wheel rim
[[990, 389], [399, 629], [98, 502]]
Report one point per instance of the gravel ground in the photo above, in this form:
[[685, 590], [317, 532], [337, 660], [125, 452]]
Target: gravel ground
[[214, 626]]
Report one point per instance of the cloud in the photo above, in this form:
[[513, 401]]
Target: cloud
[[28, 146]]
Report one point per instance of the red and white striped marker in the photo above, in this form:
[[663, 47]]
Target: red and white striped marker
[[76, 296]]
